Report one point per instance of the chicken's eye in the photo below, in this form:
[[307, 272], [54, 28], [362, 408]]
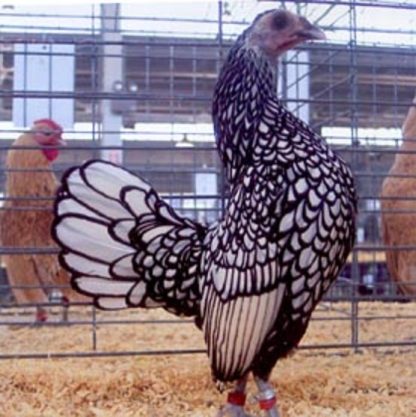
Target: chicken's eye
[[280, 20], [47, 133]]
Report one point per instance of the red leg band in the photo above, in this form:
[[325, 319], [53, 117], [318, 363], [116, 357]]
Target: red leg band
[[236, 398], [267, 404]]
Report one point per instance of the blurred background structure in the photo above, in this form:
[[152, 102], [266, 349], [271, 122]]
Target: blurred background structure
[[133, 84]]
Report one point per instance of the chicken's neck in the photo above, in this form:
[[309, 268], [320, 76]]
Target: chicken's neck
[[28, 170], [245, 82]]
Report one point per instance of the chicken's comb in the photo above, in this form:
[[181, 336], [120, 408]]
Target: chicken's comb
[[50, 123]]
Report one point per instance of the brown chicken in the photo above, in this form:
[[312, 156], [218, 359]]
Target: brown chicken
[[398, 203], [26, 221]]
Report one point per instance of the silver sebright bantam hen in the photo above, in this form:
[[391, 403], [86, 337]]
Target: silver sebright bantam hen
[[251, 280]]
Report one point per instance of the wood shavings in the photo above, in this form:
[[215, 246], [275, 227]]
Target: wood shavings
[[309, 383]]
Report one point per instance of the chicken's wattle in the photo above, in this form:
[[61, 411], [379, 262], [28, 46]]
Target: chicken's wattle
[[50, 153]]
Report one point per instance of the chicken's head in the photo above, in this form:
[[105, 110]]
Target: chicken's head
[[48, 134], [276, 31]]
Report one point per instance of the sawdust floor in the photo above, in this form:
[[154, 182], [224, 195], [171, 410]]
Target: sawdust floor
[[335, 383]]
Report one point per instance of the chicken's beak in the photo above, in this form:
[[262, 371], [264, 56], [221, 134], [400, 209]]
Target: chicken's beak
[[60, 141], [308, 31]]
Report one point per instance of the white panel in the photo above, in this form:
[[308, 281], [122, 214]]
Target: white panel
[[206, 185], [63, 80], [38, 68], [112, 72], [297, 81]]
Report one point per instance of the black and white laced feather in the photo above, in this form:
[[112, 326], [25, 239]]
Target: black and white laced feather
[[123, 245], [287, 230]]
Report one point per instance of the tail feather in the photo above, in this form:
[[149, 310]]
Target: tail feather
[[120, 230], [140, 202], [79, 264], [111, 303], [123, 245], [94, 197], [80, 233]]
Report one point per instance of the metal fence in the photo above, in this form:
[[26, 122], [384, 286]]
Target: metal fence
[[136, 88]]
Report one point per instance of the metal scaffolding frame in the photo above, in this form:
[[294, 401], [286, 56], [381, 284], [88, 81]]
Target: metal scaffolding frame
[[351, 86]]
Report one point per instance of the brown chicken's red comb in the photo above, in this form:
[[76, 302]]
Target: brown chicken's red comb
[[50, 123]]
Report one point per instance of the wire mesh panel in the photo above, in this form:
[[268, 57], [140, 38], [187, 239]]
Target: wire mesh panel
[[135, 87]]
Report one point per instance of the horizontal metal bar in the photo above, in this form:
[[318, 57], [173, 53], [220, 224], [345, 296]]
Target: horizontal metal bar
[[71, 323], [172, 196], [100, 95], [126, 147], [352, 289], [48, 250], [364, 318], [46, 287], [354, 296], [28, 250], [198, 147], [326, 61], [26, 208], [20, 209], [379, 150], [92, 354], [97, 322], [362, 345], [380, 247], [120, 18], [393, 211], [96, 40], [388, 198], [364, 29]]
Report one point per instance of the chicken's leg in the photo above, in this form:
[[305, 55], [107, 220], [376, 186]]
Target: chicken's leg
[[41, 315], [236, 401], [267, 398]]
